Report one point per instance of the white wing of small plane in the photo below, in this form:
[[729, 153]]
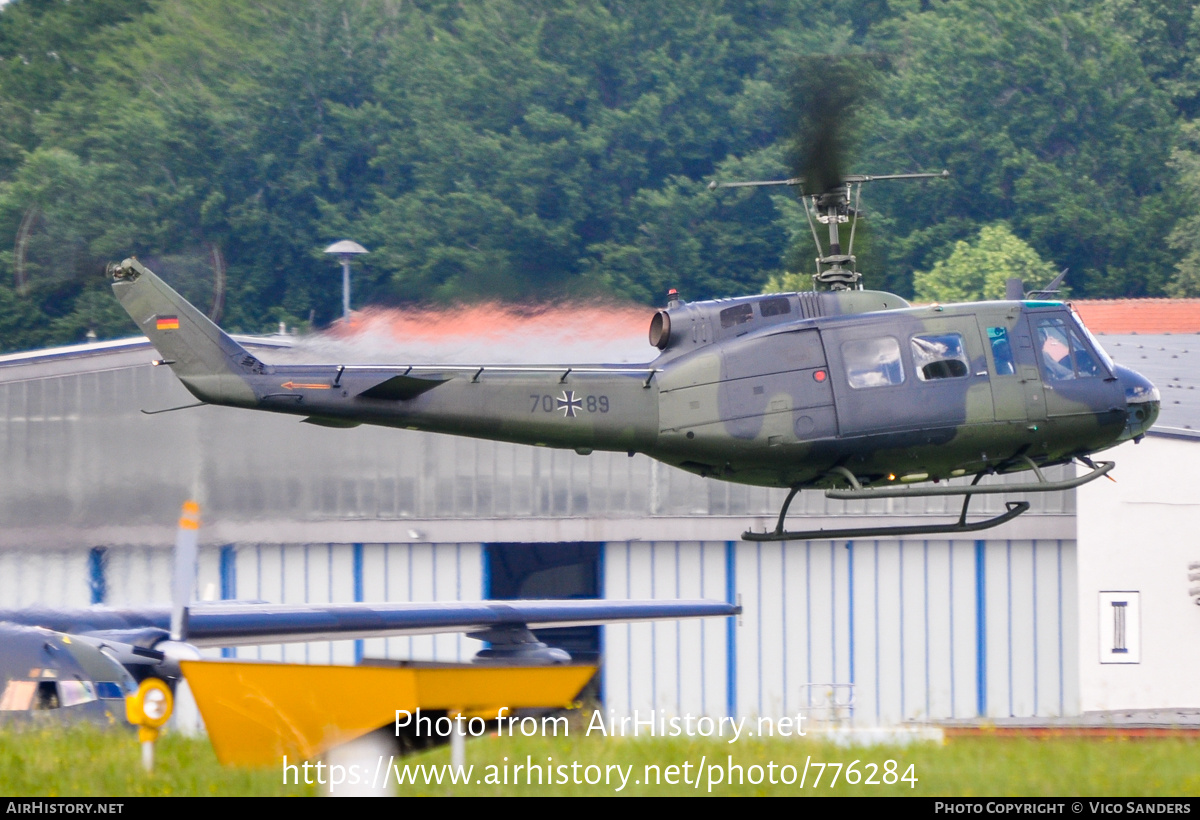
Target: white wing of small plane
[[248, 624], [158, 637], [85, 661]]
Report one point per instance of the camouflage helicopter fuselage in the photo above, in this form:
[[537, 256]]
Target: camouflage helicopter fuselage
[[784, 390], [861, 380]]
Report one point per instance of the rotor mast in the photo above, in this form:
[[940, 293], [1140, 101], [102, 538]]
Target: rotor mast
[[835, 269]]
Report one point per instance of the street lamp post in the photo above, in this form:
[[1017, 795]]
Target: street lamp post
[[345, 251]]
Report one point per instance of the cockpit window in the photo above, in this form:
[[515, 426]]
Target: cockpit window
[[1085, 362], [75, 692], [109, 690], [47, 695], [873, 362], [1065, 354], [939, 357], [775, 306], [1095, 345], [736, 315], [1002, 353]]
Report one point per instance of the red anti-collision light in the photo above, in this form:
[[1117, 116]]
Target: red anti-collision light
[[819, 375]]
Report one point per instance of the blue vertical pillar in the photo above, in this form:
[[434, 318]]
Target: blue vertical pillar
[[980, 629], [97, 574], [602, 592], [731, 630], [228, 572], [358, 595]]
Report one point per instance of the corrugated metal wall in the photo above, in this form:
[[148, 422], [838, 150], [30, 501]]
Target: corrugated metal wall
[[922, 629], [680, 667], [343, 573]]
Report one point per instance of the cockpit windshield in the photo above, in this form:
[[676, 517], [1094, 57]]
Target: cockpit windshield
[[1068, 351], [1096, 346]]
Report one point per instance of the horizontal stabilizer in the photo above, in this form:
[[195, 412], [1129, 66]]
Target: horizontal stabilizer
[[400, 388]]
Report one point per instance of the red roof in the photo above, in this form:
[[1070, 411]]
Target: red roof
[[1139, 315]]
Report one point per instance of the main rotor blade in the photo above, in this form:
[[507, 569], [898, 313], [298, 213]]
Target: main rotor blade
[[714, 185], [849, 179]]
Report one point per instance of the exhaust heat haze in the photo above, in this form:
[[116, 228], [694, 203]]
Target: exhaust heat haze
[[489, 333]]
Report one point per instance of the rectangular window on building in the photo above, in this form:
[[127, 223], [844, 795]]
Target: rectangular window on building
[[1120, 627]]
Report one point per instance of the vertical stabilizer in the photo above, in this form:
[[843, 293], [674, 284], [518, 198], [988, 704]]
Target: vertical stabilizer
[[209, 363]]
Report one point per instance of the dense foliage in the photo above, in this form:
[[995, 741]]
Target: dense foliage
[[981, 268], [525, 149]]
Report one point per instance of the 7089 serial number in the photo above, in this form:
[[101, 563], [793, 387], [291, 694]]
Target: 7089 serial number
[[548, 404]]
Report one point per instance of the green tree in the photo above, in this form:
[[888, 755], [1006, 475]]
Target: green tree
[[1046, 118], [64, 237], [574, 154], [787, 282], [44, 46], [1185, 237], [531, 148], [980, 269], [1165, 34]]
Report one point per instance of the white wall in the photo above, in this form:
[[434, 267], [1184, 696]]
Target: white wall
[[1139, 535]]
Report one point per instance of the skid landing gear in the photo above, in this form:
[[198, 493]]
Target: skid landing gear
[[857, 491]]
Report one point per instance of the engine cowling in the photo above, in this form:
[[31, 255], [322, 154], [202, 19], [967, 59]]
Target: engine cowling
[[686, 325]]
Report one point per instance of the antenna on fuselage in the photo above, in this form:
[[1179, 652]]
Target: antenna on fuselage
[[1051, 289]]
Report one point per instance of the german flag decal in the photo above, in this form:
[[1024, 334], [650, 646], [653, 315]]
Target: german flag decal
[[167, 323]]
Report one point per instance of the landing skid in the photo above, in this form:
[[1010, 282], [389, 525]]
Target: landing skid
[[857, 491], [1015, 508]]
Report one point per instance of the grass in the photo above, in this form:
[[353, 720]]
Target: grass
[[83, 761]]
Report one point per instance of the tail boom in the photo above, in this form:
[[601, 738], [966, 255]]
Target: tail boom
[[579, 407]]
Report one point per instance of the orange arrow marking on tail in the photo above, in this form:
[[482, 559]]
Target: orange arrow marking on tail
[[294, 385]]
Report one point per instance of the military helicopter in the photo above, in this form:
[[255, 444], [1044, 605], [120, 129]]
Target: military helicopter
[[851, 391]]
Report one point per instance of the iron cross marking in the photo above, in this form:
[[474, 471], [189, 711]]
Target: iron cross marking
[[568, 404]]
